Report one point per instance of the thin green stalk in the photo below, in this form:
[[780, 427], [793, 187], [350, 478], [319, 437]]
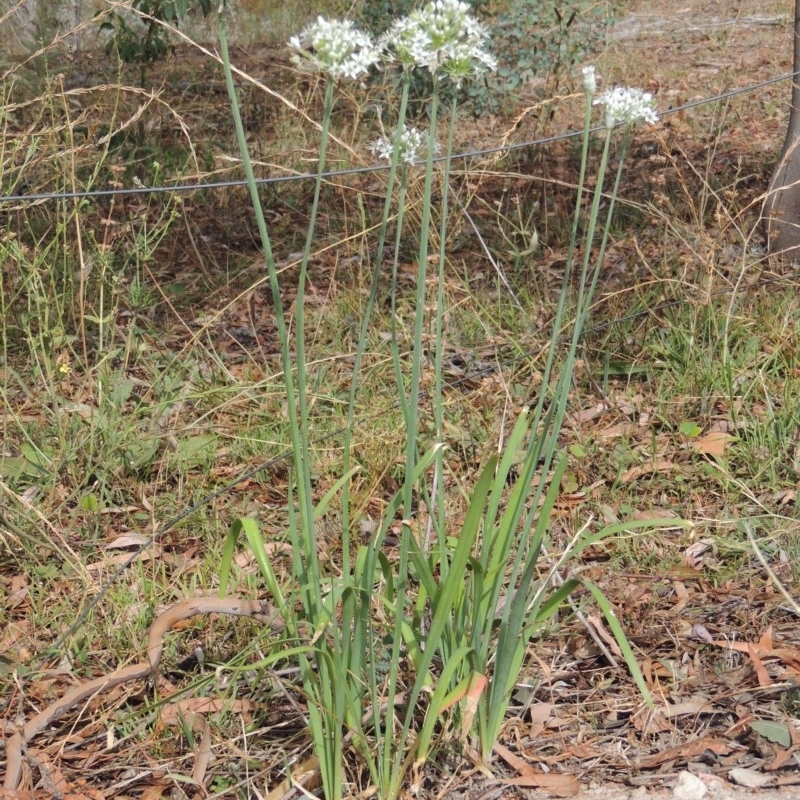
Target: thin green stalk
[[584, 312], [544, 445], [412, 427], [541, 451], [326, 729], [544, 394], [280, 318], [313, 599], [367, 316], [398, 370], [589, 236], [437, 513]]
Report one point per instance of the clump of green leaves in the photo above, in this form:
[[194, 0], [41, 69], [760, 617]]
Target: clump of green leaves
[[376, 16], [531, 38], [141, 38], [430, 640]]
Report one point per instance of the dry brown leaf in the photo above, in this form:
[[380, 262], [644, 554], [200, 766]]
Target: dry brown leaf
[[52, 777], [122, 558], [650, 721], [588, 414], [203, 753], [654, 512], [697, 705], [617, 431], [683, 597], [586, 750], [712, 444], [13, 632], [19, 591], [540, 713], [601, 631], [785, 497], [305, 776], [782, 757], [172, 712], [245, 558], [127, 540], [761, 672], [701, 632], [662, 465], [556, 783], [764, 649], [693, 554], [155, 791], [179, 714], [686, 751]]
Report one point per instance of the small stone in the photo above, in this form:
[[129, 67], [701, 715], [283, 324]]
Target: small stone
[[749, 778], [688, 787]]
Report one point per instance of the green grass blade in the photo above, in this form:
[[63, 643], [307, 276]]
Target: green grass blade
[[621, 639]]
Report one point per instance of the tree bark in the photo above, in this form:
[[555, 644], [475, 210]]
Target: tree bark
[[782, 203]]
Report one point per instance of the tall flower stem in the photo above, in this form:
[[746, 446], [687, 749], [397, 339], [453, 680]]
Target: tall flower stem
[[412, 423], [437, 513], [310, 571], [367, 315], [280, 318]]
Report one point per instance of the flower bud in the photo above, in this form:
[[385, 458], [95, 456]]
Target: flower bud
[[589, 80]]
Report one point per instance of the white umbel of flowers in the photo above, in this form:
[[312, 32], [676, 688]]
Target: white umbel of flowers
[[413, 145], [441, 35], [336, 47], [627, 105]]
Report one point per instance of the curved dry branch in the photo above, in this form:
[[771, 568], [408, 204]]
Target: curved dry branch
[[257, 609]]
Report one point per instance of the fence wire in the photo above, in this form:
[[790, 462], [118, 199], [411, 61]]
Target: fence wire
[[468, 154]]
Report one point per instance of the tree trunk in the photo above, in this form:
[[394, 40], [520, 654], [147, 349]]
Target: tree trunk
[[782, 203]]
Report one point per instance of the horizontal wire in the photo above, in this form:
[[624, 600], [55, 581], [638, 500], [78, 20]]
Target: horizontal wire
[[194, 187]]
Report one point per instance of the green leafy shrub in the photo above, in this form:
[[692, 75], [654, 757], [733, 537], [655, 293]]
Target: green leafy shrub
[[141, 38], [531, 38]]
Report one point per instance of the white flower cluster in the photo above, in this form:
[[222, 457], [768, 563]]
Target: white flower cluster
[[628, 105], [336, 47], [441, 35], [413, 143]]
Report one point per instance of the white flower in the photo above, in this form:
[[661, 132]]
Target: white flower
[[441, 35], [336, 47], [413, 143], [628, 105], [589, 80]]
